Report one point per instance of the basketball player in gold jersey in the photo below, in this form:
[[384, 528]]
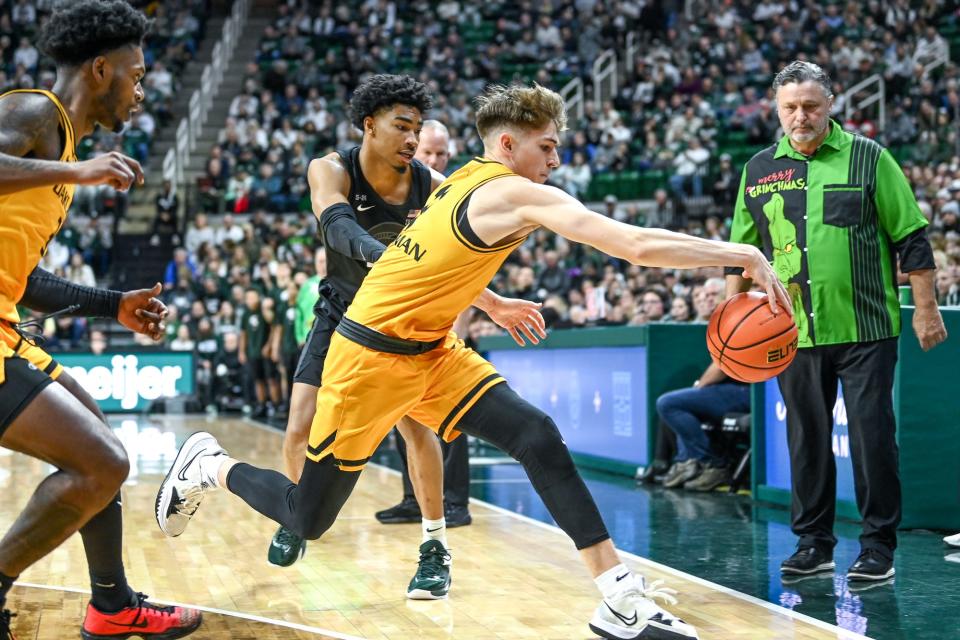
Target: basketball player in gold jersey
[[392, 354], [362, 199], [96, 46]]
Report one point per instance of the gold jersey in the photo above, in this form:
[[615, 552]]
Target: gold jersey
[[436, 267], [29, 220]]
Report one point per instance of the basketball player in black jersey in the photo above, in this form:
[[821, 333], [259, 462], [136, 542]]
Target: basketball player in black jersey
[[363, 198], [96, 45]]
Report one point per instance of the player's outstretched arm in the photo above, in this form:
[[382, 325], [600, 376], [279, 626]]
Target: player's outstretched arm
[[340, 230], [138, 310], [552, 208]]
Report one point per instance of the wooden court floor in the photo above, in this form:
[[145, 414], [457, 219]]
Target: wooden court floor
[[512, 577]]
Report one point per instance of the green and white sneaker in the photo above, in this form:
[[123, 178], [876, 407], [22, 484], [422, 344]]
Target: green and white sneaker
[[432, 580], [286, 548]]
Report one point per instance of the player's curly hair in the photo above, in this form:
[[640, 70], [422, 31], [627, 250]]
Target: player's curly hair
[[383, 91], [80, 30], [519, 106]]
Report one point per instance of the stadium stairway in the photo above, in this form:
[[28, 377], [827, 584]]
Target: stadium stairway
[[140, 216], [137, 263]]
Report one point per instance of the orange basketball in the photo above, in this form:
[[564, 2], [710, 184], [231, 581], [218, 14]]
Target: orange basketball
[[747, 341]]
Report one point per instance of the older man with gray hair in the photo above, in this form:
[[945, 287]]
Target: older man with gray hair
[[834, 212], [434, 147]]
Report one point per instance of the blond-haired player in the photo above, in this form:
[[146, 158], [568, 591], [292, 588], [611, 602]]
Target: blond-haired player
[[394, 345]]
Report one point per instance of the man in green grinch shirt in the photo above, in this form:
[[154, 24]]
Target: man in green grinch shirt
[[834, 212]]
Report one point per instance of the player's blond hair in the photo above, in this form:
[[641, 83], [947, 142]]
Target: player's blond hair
[[520, 107]]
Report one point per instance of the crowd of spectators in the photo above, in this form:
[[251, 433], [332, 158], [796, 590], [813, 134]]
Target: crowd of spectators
[[699, 84], [178, 28]]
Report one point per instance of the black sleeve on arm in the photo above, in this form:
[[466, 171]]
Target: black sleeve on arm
[[48, 293], [342, 233], [733, 271], [915, 252]]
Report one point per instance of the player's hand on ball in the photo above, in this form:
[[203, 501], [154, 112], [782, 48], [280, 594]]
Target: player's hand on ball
[[763, 275]]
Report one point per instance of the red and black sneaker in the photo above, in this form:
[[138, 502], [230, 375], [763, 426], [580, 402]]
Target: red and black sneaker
[[144, 620]]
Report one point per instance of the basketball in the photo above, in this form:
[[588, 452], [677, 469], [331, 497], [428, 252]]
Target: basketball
[[747, 341]]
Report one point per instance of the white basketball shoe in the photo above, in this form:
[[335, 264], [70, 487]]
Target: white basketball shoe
[[633, 615], [186, 483], [953, 541]]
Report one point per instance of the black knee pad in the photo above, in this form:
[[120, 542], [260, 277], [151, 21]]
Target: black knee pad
[[312, 526], [319, 497], [543, 453]]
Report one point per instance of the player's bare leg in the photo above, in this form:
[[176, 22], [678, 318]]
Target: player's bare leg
[[425, 462]]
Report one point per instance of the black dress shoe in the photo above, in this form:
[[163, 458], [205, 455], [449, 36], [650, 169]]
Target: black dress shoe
[[807, 560], [656, 468], [871, 565], [407, 511], [457, 515]]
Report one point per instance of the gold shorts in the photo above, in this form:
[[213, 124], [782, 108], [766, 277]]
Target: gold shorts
[[365, 392], [40, 359]]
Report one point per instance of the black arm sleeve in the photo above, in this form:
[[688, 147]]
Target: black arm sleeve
[[342, 232], [915, 252], [48, 293]]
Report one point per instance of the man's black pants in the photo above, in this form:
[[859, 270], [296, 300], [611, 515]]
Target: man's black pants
[[809, 388]]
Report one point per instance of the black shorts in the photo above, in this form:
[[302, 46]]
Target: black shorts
[[310, 367], [22, 381], [261, 369]]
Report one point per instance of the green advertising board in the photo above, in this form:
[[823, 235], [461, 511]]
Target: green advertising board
[[130, 381]]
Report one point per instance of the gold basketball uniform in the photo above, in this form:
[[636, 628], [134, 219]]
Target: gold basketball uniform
[[394, 353], [29, 220]]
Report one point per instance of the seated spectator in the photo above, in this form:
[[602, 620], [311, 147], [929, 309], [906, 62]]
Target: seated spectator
[[691, 166], [228, 232], [726, 184], [653, 305], [168, 205], [198, 233], [707, 297], [681, 310], [574, 178], [181, 268], [664, 213], [183, 341], [697, 467], [80, 272]]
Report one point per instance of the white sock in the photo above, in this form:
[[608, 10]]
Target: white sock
[[612, 581], [210, 468], [434, 530]]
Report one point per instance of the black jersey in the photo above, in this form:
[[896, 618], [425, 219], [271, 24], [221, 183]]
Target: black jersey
[[382, 220]]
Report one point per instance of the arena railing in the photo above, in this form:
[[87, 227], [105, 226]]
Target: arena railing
[[854, 101], [630, 52], [572, 94], [201, 101], [604, 77]]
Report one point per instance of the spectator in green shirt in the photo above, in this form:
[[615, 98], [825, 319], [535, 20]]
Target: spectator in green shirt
[[308, 296], [834, 211]]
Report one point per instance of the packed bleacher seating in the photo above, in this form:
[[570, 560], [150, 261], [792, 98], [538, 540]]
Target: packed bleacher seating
[[665, 150]]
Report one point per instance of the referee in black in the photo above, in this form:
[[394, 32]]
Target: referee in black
[[834, 212]]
